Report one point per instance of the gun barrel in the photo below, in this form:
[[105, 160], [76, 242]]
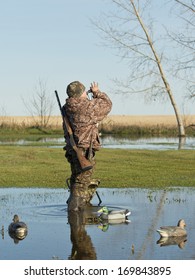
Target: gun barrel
[[58, 100]]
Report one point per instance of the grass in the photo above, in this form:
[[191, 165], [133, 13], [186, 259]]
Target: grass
[[47, 167], [28, 133]]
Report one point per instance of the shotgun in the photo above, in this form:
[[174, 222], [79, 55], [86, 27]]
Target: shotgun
[[84, 163]]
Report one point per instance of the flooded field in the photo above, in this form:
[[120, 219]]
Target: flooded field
[[152, 143], [52, 234]]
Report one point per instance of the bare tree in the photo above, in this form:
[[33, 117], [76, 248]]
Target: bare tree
[[185, 40], [41, 105], [128, 33]]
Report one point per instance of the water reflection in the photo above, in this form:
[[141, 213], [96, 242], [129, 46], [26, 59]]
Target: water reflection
[[180, 241], [2, 232], [82, 247]]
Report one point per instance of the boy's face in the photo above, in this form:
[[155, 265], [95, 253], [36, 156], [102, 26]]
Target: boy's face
[[84, 94]]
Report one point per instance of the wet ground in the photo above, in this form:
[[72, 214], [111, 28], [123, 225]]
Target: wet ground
[[54, 235]]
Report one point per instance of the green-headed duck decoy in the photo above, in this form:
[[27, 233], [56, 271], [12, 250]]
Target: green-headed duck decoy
[[113, 214]]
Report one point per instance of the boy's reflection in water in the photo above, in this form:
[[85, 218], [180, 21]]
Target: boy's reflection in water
[[82, 247]]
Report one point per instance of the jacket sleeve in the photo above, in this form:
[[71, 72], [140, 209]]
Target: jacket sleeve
[[102, 105]]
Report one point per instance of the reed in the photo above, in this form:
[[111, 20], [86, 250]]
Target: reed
[[115, 125]]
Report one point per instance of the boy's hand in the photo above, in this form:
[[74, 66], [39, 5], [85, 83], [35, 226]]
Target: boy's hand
[[94, 88]]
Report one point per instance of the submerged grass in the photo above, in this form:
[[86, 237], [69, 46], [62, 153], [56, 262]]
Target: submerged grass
[[47, 167]]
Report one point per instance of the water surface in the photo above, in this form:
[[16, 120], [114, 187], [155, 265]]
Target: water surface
[[54, 235], [149, 143]]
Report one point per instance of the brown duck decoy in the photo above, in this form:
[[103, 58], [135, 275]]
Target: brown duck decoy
[[173, 231]]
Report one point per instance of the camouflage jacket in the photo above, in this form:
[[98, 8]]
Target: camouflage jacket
[[84, 116]]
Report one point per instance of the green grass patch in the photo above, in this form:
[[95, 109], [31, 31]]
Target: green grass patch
[[47, 167], [9, 133]]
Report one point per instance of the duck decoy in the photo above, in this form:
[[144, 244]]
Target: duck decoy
[[173, 231], [17, 230], [111, 215]]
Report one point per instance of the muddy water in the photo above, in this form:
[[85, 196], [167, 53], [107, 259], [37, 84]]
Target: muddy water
[[54, 235]]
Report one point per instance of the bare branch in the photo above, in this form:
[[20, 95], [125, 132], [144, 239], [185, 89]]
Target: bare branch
[[186, 5]]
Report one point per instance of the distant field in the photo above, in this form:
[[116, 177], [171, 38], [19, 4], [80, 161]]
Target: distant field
[[148, 120], [119, 120]]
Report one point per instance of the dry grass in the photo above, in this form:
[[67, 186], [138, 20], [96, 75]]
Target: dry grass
[[112, 120], [27, 121], [148, 120]]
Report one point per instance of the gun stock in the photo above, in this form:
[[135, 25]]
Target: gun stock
[[84, 163]]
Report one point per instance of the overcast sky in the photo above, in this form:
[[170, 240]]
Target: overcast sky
[[54, 41]]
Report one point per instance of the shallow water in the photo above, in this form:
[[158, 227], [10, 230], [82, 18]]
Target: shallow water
[[54, 235], [152, 143]]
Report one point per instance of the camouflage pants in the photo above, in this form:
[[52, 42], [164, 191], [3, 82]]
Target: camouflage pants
[[81, 191]]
